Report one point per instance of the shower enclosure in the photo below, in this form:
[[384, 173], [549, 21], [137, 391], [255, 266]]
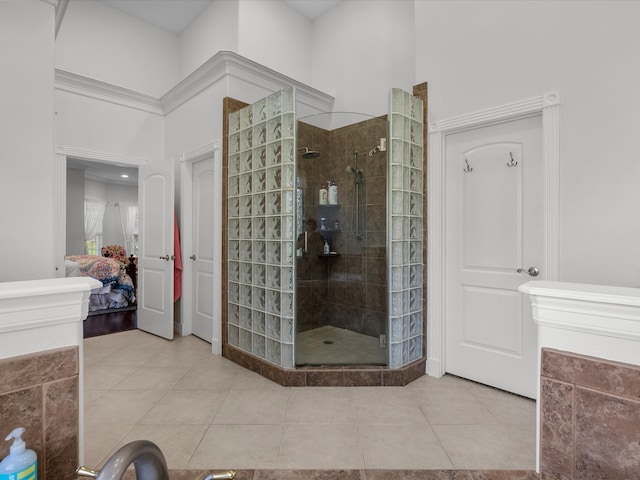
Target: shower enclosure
[[306, 279], [341, 297]]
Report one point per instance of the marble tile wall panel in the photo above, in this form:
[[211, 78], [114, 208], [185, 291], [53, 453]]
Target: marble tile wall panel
[[590, 412], [40, 393]]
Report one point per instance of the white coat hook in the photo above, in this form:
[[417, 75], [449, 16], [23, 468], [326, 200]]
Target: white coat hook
[[468, 169], [512, 163]]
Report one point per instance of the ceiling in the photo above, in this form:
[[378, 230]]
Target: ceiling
[[176, 15], [105, 172]]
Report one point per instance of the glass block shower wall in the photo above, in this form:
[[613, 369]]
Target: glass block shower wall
[[261, 226], [405, 232]]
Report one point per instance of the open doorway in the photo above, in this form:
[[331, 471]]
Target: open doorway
[[102, 240]]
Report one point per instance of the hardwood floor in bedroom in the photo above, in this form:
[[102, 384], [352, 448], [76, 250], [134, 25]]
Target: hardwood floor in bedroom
[[104, 323]]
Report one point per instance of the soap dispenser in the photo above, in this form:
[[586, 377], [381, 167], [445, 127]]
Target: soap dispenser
[[21, 463]]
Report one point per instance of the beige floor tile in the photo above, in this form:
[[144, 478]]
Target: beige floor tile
[[256, 407], [248, 380], [320, 447], [185, 407], [152, 378], [238, 446], [402, 447], [177, 442], [132, 355], [123, 406], [508, 408], [385, 405], [446, 381], [320, 406], [215, 379], [98, 377], [500, 447], [101, 437], [247, 421], [453, 406]]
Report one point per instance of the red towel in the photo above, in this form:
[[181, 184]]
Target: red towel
[[177, 264]]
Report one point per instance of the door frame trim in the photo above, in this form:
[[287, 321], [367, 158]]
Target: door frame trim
[[187, 160], [62, 152], [547, 105]]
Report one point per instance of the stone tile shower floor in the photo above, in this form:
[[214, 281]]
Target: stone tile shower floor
[[329, 345], [207, 412]]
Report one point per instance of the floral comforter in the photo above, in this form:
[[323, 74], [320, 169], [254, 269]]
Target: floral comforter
[[117, 289]]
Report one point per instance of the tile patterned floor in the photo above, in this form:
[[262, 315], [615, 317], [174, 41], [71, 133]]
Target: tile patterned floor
[[206, 412], [337, 346]]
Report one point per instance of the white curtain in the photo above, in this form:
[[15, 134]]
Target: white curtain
[[93, 216], [129, 222]]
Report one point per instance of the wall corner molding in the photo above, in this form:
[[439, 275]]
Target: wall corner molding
[[222, 65], [92, 88], [229, 64]]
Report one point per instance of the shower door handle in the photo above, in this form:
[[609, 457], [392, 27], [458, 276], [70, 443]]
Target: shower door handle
[[533, 271]]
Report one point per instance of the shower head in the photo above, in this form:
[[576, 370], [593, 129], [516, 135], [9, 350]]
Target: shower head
[[306, 153]]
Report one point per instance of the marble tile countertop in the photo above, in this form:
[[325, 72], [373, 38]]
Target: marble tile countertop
[[356, 474]]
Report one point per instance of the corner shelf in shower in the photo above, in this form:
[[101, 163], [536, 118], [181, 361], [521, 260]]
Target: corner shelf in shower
[[328, 255]]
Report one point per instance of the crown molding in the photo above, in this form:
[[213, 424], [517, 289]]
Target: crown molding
[[53, 3], [92, 88], [222, 65], [229, 64]]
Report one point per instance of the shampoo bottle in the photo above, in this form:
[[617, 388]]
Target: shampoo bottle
[[333, 194], [323, 196], [326, 248], [21, 463]]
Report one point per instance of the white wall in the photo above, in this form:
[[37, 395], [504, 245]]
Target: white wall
[[98, 41], [96, 125], [27, 138], [75, 212], [481, 54], [276, 36], [363, 49], [214, 30]]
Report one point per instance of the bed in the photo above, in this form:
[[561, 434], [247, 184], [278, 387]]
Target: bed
[[118, 287]]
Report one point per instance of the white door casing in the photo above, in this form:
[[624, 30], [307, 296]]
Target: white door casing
[[493, 228], [201, 173], [156, 248], [547, 105]]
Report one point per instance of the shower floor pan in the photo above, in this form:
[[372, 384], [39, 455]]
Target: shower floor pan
[[337, 346]]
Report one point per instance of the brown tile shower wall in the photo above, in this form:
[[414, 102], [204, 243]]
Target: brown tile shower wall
[[40, 393], [590, 412], [356, 292]]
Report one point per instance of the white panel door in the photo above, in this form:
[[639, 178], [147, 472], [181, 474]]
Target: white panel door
[[203, 256], [493, 228], [156, 255]]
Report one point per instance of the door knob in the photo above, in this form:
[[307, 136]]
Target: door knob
[[192, 257], [533, 271], [166, 257]]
